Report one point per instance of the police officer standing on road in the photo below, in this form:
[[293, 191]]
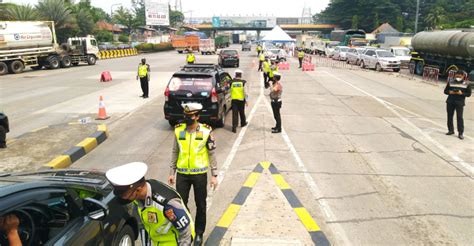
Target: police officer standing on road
[[259, 49], [144, 75], [239, 97], [300, 57], [272, 71], [192, 156], [266, 70], [4, 129], [161, 210], [457, 91], [261, 59], [275, 97], [190, 58]]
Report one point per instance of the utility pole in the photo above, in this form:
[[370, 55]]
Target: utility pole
[[417, 13]]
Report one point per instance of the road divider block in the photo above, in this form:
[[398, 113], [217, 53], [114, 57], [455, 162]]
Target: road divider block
[[81, 149], [109, 54]]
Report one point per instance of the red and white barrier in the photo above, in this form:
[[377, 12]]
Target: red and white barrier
[[307, 63], [430, 73], [284, 66], [105, 76]]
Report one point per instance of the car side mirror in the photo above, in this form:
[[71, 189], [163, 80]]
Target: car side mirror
[[96, 210]]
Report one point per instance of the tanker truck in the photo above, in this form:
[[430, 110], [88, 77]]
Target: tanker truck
[[447, 50], [33, 44]]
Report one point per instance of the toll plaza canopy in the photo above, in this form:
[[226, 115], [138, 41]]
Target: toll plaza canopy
[[277, 35]]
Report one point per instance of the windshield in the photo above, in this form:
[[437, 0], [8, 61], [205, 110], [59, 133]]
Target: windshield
[[384, 54], [193, 84], [401, 52], [343, 49], [229, 52], [360, 51], [276, 52]]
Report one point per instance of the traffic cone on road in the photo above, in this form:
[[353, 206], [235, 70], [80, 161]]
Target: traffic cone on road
[[102, 114]]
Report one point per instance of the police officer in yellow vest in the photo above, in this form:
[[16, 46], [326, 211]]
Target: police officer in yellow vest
[[261, 59], [162, 212], [259, 49], [266, 70], [144, 75], [190, 58], [239, 96], [300, 57], [192, 157], [272, 71]]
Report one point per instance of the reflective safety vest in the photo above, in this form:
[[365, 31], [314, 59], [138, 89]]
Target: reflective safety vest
[[237, 90], [142, 70], [272, 70], [190, 58], [159, 228], [266, 67], [259, 48], [262, 57], [193, 155], [300, 54]]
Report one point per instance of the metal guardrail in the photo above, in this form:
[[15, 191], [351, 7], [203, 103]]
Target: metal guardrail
[[109, 54]]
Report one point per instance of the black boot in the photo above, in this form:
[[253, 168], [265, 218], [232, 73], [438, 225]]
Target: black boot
[[449, 133], [460, 136], [198, 241]]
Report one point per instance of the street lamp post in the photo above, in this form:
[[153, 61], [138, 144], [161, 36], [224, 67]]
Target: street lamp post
[[417, 13]]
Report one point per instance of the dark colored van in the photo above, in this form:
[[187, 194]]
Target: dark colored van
[[207, 84]]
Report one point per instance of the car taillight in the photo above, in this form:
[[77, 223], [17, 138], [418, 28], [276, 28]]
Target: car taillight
[[213, 95], [167, 93], [237, 56]]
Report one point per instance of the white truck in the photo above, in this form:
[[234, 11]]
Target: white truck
[[207, 46], [33, 44]]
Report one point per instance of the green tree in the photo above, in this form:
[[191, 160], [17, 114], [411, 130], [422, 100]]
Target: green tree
[[435, 17], [399, 23], [125, 17], [138, 7], [104, 36], [376, 21], [123, 38], [84, 21], [176, 18], [355, 22], [54, 10], [21, 13]]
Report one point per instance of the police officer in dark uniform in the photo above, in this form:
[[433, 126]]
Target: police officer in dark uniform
[[239, 96], [4, 129], [192, 157], [457, 90], [161, 210], [144, 75]]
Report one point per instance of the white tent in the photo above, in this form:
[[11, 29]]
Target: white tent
[[277, 35]]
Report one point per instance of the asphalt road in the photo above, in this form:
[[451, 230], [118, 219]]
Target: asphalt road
[[364, 152]]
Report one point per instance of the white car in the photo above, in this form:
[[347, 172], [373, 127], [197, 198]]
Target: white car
[[276, 54], [330, 48], [353, 55], [380, 60], [402, 53], [340, 53]]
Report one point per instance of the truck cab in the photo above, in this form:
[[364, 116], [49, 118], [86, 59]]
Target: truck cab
[[84, 45]]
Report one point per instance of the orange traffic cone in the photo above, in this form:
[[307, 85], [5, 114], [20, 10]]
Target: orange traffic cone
[[102, 114]]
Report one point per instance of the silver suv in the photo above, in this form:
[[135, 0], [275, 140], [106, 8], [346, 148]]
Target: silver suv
[[379, 60], [246, 46]]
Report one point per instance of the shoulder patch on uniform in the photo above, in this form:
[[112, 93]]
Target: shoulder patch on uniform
[[207, 126], [177, 125]]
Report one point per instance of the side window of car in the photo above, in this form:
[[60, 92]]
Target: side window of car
[[225, 80]]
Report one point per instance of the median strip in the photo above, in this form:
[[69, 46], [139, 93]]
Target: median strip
[[81, 149]]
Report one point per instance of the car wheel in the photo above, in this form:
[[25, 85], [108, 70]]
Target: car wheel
[[357, 62], [3, 68], [362, 65], [396, 70], [221, 121], [53, 62], [16, 66], [126, 237], [378, 68], [66, 62], [419, 67], [347, 61], [91, 60]]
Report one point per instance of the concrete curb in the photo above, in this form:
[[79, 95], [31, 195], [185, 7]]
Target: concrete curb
[[81, 149]]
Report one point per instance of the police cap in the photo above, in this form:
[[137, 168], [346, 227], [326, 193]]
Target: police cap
[[126, 176], [191, 108]]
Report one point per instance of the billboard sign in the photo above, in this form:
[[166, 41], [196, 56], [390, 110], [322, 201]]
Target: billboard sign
[[216, 21], [157, 13]]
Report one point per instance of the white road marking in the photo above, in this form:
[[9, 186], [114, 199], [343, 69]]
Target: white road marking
[[458, 161], [336, 229], [233, 151]]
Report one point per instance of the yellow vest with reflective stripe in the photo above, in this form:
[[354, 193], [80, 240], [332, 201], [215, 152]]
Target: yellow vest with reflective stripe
[[259, 48], [262, 57], [142, 70], [190, 58], [160, 230], [237, 90], [300, 54], [272, 70], [266, 66], [193, 155]]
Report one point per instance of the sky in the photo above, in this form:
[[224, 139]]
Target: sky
[[208, 8]]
